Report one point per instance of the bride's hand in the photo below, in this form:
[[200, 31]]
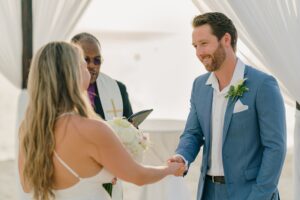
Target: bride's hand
[[176, 169]]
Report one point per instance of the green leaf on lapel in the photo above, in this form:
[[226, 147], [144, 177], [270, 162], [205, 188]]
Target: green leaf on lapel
[[236, 91]]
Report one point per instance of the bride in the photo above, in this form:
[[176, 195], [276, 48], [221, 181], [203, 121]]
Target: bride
[[66, 151]]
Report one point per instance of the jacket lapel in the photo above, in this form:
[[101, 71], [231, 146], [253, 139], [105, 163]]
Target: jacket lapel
[[228, 116], [206, 109], [229, 110]]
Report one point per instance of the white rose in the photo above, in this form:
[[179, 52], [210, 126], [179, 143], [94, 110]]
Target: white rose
[[132, 138]]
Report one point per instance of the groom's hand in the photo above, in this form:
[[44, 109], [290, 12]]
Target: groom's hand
[[178, 159]]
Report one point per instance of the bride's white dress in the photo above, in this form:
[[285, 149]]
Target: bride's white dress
[[86, 189]]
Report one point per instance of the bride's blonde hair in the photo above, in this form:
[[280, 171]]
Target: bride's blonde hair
[[54, 87]]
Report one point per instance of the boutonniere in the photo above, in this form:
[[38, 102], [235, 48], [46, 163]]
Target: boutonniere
[[237, 90]]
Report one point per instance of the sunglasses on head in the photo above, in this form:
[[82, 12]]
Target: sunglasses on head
[[96, 61]]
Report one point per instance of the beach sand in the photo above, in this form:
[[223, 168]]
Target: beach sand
[[8, 189]]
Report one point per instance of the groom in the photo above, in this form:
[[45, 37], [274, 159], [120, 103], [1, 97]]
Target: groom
[[237, 114]]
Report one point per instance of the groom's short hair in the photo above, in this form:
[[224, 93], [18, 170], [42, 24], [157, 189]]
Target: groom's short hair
[[219, 23]]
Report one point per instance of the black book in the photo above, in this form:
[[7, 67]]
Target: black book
[[137, 118]]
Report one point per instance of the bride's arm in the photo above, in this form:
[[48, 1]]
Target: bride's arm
[[110, 153]]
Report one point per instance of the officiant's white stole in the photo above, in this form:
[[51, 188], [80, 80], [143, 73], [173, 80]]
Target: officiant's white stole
[[110, 96]]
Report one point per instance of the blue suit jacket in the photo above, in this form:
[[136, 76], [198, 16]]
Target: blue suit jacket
[[254, 141]]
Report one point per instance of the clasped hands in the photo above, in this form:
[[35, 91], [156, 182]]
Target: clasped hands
[[179, 162], [176, 165]]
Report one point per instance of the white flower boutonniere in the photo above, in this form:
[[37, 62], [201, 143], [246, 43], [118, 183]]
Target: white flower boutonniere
[[237, 90]]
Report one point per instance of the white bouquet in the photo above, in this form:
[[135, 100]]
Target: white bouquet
[[133, 139]]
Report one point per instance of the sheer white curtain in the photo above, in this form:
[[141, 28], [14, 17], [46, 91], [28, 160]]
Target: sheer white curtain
[[52, 20], [270, 30], [11, 41], [55, 19]]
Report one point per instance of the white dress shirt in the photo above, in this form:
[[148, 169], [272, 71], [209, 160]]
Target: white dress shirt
[[219, 105]]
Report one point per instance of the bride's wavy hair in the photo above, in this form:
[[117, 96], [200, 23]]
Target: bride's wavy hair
[[54, 87]]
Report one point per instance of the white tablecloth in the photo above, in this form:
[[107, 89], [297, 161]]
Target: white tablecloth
[[164, 136]]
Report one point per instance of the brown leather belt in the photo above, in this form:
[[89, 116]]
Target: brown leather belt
[[216, 179]]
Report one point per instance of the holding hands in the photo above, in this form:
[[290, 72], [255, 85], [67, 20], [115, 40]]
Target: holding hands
[[177, 160], [175, 168]]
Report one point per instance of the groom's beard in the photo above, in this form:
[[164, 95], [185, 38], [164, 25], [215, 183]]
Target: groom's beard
[[213, 62]]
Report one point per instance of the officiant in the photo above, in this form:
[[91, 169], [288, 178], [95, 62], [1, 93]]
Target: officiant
[[107, 95]]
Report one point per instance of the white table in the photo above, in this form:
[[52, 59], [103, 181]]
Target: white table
[[164, 136]]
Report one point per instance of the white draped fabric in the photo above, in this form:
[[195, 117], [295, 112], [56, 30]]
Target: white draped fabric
[[52, 20], [270, 30], [297, 157], [11, 41], [55, 19]]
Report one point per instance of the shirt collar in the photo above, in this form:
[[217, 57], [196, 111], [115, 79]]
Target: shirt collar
[[238, 74]]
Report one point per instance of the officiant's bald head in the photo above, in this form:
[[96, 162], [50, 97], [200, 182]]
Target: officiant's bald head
[[92, 53]]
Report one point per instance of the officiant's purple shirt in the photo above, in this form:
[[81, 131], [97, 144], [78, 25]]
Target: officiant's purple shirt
[[92, 93]]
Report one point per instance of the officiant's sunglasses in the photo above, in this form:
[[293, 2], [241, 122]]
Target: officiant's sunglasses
[[96, 61]]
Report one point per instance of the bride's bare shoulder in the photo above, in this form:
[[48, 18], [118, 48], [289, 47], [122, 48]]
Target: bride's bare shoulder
[[91, 127]]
